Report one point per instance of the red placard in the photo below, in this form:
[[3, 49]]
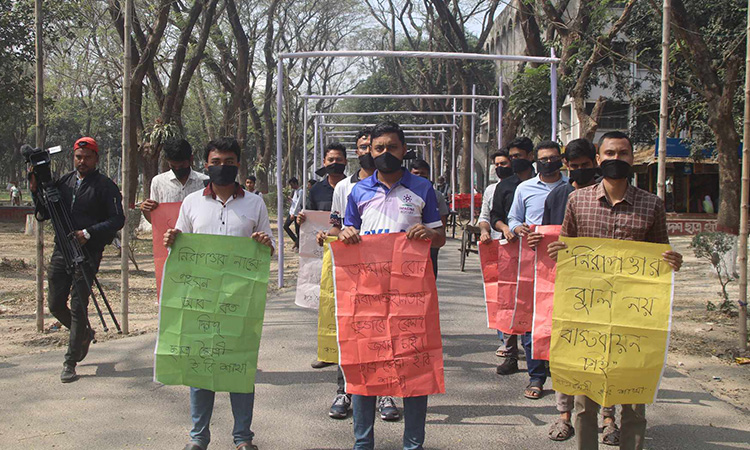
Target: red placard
[[507, 285], [488, 254], [163, 218], [523, 309], [388, 323], [544, 294]]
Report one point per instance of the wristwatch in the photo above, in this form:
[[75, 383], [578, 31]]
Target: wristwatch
[[86, 235]]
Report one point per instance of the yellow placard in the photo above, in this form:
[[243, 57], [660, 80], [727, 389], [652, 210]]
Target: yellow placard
[[327, 344], [611, 320]]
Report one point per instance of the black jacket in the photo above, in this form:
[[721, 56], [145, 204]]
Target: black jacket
[[97, 207]]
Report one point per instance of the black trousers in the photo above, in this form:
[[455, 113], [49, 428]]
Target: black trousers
[[75, 317], [288, 229], [434, 257]]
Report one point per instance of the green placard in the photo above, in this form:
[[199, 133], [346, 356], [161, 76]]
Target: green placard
[[212, 304]]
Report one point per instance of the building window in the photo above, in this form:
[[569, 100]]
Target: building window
[[614, 116]]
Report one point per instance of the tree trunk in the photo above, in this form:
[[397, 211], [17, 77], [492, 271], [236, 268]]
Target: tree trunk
[[727, 143]]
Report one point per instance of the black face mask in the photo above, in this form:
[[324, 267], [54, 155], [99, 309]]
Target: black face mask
[[333, 169], [520, 165], [615, 169], [182, 172], [223, 175], [387, 163], [503, 172], [366, 162], [583, 177], [548, 168]]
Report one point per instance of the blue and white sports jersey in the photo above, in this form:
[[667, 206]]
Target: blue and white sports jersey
[[374, 209]]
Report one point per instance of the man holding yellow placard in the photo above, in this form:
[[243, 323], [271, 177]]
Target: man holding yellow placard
[[612, 209]]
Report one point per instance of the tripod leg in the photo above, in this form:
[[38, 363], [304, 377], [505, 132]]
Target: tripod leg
[[99, 311], [106, 303], [90, 291]]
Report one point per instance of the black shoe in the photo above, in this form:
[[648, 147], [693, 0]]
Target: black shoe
[[68, 374], [91, 337], [340, 407], [508, 367], [320, 364], [192, 446], [388, 410]]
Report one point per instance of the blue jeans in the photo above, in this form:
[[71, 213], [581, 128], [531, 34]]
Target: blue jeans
[[500, 335], [536, 367], [202, 406], [415, 412]]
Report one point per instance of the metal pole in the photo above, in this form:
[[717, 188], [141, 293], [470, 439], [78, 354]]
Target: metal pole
[[432, 162], [322, 146], [315, 151], [553, 95], [471, 160], [125, 182], [39, 232], [661, 180], [499, 113], [453, 158], [442, 154], [742, 319], [279, 196], [304, 153]]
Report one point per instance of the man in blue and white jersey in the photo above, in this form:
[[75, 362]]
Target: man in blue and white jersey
[[392, 200]]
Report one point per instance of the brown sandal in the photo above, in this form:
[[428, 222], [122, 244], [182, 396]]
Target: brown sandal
[[533, 391], [561, 430]]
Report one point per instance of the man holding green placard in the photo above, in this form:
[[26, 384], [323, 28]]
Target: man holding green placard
[[222, 208]]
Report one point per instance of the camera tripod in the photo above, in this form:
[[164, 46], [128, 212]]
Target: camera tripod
[[76, 258]]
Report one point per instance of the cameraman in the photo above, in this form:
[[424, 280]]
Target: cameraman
[[94, 205]]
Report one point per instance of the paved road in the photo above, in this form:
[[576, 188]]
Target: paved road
[[115, 405]]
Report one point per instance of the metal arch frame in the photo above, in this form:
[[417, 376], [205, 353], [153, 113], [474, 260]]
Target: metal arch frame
[[383, 54]]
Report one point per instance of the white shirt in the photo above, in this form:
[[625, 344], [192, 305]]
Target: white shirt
[[242, 215], [340, 198], [166, 188], [296, 205], [484, 215]]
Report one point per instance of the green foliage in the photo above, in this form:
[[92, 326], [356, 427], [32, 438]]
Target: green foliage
[[531, 103], [714, 247]]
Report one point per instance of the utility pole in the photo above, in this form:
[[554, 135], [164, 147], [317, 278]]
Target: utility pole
[[126, 75], [39, 234], [661, 180], [745, 196]]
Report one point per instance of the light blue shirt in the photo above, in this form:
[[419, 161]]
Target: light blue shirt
[[528, 201]]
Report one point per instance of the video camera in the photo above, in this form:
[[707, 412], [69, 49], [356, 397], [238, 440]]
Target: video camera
[[40, 161]]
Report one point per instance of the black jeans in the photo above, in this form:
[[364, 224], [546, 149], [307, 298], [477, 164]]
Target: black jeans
[[76, 317], [434, 257], [340, 380], [288, 229]]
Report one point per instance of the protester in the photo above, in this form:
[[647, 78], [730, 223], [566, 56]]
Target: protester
[[614, 209], [370, 210], [95, 206], [342, 402], [521, 155], [503, 170], [293, 211], [580, 159], [528, 209], [421, 168], [244, 216], [320, 197], [178, 182], [250, 185]]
